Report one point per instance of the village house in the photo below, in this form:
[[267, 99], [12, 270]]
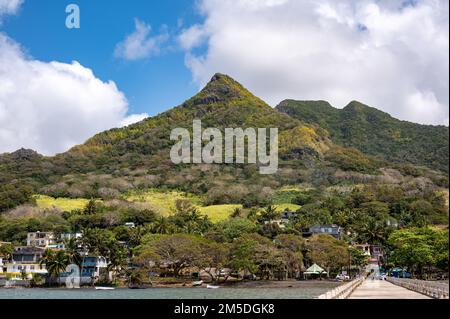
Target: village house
[[332, 230], [285, 218], [280, 223], [93, 268], [38, 239], [70, 236], [287, 215], [374, 252], [25, 260], [365, 248]]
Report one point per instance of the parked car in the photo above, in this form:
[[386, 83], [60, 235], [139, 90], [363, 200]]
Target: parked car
[[342, 277]]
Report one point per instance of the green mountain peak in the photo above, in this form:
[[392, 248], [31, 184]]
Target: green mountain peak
[[223, 89]]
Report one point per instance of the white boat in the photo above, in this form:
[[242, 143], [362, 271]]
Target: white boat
[[212, 287], [104, 288]]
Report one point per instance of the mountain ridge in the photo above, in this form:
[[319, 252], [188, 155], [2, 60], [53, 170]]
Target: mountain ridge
[[137, 156], [375, 132]]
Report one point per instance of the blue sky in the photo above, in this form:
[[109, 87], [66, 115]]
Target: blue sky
[[151, 85]]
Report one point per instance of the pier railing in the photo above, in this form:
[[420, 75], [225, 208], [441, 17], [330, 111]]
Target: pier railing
[[433, 289], [344, 291]]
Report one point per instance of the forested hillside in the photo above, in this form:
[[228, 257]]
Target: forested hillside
[[376, 133]]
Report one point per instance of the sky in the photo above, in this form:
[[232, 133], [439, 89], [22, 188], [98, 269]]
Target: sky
[[133, 59]]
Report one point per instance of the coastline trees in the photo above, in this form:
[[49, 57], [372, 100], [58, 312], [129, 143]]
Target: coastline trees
[[328, 252], [172, 252], [420, 249]]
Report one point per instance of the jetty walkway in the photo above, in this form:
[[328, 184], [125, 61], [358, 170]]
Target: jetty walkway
[[382, 289]]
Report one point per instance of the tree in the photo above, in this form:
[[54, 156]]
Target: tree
[[254, 254], [234, 228], [162, 226], [242, 255], [292, 247], [358, 258], [375, 209], [117, 259], [328, 252], [138, 217], [91, 208], [212, 259], [310, 215], [6, 251], [419, 249], [269, 214], [103, 243], [55, 263], [73, 250], [177, 252], [373, 231]]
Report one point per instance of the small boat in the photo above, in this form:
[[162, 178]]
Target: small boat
[[212, 287], [104, 288], [197, 283]]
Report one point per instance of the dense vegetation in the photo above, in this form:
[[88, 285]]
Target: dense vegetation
[[376, 133], [358, 168]]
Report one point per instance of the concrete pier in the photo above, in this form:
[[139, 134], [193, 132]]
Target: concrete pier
[[381, 289]]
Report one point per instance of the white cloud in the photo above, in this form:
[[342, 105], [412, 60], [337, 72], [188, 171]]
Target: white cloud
[[139, 44], [50, 107], [192, 37], [134, 118], [390, 54], [8, 7]]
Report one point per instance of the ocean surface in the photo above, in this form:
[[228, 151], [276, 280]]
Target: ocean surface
[[170, 293]]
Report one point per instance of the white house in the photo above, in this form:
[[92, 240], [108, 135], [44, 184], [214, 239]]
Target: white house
[[26, 260], [39, 239], [69, 236]]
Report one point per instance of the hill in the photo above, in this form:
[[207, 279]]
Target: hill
[[376, 133], [313, 155]]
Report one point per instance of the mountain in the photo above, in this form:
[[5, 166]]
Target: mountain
[[319, 146], [138, 156], [376, 133], [223, 103]]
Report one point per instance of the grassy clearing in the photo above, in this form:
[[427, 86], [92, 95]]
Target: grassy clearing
[[218, 213], [290, 207], [164, 202], [285, 195], [63, 204]]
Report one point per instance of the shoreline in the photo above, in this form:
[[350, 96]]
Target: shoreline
[[265, 284]]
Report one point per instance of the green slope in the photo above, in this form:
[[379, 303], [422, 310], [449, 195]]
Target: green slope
[[376, 133]]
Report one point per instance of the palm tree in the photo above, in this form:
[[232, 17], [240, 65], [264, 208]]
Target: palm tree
[[375, 232], [117, 259], [161, 226], [195, 216], [269, 213], [55, 263], [72, 250]]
